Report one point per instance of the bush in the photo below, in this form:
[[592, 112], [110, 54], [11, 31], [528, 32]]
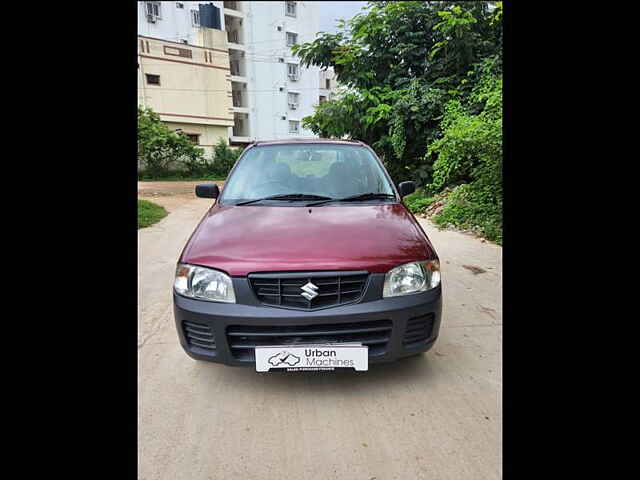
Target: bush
[[163, 152], [195, 167], [470, 158], [467, 207], [417, 202], [224, 158]]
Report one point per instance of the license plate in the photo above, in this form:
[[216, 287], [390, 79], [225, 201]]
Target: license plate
[[312, 357]]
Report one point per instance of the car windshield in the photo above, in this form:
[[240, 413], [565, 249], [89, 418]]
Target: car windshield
[[315, 170]]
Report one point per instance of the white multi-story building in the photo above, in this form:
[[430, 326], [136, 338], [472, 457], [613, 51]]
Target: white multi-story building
[[328, 85], [271, 92]]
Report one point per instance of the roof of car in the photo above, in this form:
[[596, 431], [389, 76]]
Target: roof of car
[[307, 140]]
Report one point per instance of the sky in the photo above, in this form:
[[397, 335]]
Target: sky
[[331, 11]]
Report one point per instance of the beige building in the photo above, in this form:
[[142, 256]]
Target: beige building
[[188, 86]]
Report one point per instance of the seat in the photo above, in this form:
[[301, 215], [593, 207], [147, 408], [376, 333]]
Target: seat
[[340, 180], [279, 173]]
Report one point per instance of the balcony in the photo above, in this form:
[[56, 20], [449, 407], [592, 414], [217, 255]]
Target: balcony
[[233, 36], [239, 97], [233, 10], [240, 127], [235, 32], [233, 13], [238, 66]]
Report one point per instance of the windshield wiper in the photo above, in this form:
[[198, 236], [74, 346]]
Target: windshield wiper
[[287, 196], [354, 198]]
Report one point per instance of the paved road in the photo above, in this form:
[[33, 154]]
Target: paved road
[[436, 416]]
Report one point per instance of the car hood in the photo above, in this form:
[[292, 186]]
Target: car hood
[[244, 239]]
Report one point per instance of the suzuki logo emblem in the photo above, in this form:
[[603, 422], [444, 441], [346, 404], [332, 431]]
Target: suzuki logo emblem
[[309, 291]]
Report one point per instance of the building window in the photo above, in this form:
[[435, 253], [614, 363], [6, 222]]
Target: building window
[[193, 138], [291, 9], [292, 71], [323, 98], [195, 18], [153, 10], [327, 83], [152, 79], [294, 126], [293, 99], [292, 39]]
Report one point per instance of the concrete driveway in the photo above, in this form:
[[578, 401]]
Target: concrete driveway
[[436, 416]]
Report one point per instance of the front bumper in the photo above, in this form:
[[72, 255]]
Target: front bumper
[[218, 317]]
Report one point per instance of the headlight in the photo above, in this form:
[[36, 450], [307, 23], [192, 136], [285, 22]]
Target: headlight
[[411, 278], [203, 284]]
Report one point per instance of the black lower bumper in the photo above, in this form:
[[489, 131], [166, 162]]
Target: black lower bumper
[[411, 325]]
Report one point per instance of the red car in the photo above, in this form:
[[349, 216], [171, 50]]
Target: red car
[[308, 260]]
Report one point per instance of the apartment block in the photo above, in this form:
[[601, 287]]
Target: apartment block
[[328, 85], [270, 91], [188, 83]]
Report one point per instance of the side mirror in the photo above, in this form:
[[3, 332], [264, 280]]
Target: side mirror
[[406, 188], [207, 190]]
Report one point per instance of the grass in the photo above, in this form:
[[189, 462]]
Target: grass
[[466, 208], [462, 209], [417, 202], [149, 213]]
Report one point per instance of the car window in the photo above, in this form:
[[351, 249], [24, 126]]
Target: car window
[[330, 170]]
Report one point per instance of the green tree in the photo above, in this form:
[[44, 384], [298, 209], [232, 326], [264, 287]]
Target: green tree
[[162, 151], [424, 89], [224, 158], [402, 62], [469, 158]]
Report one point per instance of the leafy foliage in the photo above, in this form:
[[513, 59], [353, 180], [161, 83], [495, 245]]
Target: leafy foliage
[[161, 150], [470, 155], [417, 202], [224, 158], [163, 153], [425, 91]]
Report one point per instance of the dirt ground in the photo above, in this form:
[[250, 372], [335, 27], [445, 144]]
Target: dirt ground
[[437, 416], [170, 195]]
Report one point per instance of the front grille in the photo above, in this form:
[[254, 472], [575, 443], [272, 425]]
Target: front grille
[[199, 337], [243, 339], [285, 290], [418, 330]]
